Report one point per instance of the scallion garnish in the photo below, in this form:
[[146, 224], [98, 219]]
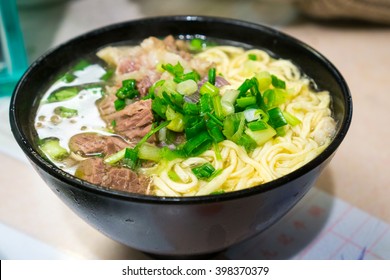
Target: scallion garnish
[[62, 94], [278, 83], [203, 171], [211, 76], [65, 112], [252, 56], [276, 117]]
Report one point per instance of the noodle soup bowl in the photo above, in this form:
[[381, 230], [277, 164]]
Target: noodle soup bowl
[[184, 226]]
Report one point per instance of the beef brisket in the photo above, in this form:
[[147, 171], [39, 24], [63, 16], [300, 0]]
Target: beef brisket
[[132, 122], [87, 144], [95, 171]]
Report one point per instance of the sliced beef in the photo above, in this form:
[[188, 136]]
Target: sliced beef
[[87, 144], [134, 121], [106, 105], [96, 172]]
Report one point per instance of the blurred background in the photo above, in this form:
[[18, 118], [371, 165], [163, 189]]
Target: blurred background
[[353, 34]]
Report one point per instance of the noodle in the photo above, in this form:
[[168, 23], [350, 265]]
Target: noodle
[[277, 157]]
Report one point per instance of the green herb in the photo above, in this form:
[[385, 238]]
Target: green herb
[[233, 126], [291, 119], [261, 136], [197, 145], [276, 117], [252, 56], [68, 77], [81, 65], [52, 147], [217, 192], [150, 152], [130, 158], [62, 94], [196, 44], [244, 102], [278, 83], [208, 88], [203, 171], [211, 76], [257, 125], [106, 76], [65, 112], [119, 104]]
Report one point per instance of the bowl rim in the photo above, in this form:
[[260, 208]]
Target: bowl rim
[[74, 182]]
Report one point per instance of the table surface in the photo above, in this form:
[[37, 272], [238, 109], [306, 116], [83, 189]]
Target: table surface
[[358, 174]]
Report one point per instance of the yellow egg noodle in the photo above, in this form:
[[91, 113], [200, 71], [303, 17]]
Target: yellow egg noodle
[[278, 156]]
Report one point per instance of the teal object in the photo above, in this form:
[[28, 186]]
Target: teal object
[[13, 58]]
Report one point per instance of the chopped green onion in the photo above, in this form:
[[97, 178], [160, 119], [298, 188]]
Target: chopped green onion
[[197, 145], [256, 92], [216, 133], [81, 65], [291, 119], [191, 109], [251, 115], [228, 100], [150, 133], [174, 100], [176, 120], [156, 85], [218, 110], [68, 77], [149, 151], [119, 104], [187, 87], [130, 158], [168, 154], [276, 117], [247, 142], [173, 176], [274, 97], [281, 131], [233, 126], [159, 106], [113, 123], [244, 87], [208, 88], [196, 44], [252, 56], [62, 94], [193, 75], [203, 171], [195, 128], [257, 125], [264, 80], [52, 147], [217, 192], [114, 158], [278, 83], [244, 102], [176, 70], [211, 76], [106, 76], [215, 119], [261, 136], [128, 89], [65, 112], [205, 104]]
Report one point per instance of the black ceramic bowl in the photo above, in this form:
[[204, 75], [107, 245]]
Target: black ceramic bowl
[[190, 225]]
